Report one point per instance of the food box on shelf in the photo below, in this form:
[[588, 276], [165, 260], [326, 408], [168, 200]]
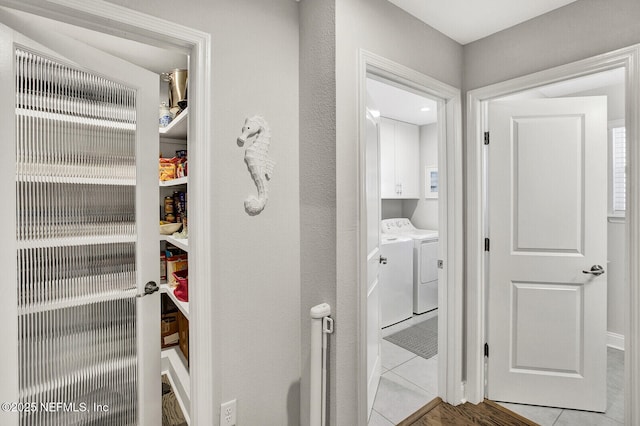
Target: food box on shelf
[[183, 331], [176, 261], [169, 329]]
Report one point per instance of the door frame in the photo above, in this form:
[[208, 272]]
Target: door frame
[[477, 100], [118, 21], [450, 210]]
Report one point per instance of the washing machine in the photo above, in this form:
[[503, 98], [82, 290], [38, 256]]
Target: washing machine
[[425, 261], [396, 279]]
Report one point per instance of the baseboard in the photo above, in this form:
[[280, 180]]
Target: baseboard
[[371, 391], [615, 340]]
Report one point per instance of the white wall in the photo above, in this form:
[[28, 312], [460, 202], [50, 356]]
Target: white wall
[[616, 281], [381, 28], [256, 260], [423, 212]]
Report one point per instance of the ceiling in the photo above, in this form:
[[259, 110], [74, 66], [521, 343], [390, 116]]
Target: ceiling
[[399, 104], [605, 83], [470, 20]]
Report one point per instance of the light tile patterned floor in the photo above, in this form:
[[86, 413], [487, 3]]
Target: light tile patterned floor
[[408, 382], [614, 416]]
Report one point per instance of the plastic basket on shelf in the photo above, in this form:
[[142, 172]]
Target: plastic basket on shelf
[[182, 290]]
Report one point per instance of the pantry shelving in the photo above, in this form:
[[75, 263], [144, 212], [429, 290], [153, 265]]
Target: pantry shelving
[[177, 129], [182, 306], [174, 140], [181, 243], [174, 182]]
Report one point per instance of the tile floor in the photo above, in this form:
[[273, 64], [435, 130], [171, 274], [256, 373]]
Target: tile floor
[[614, 416], [408, 382]]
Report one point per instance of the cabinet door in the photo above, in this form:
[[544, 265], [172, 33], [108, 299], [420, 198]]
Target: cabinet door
[[387, 160], [407, 153]]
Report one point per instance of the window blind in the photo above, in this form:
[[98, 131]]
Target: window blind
[[619, 165]]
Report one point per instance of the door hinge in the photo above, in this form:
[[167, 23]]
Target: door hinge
[[486, 350], [486, 244], [486, 138]]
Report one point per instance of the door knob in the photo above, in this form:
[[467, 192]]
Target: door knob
[[383, 260], [596, 270], [149, 288]]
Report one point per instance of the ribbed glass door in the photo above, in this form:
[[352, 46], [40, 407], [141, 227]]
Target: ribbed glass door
[[76, 244]]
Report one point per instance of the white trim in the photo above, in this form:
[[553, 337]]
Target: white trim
[[450, 289], [628, 58], [615, 340], [117, 20]]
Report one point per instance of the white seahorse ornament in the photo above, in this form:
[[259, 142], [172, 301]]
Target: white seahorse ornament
[[258, 162]]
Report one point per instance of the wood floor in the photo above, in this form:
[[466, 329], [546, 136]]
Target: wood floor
[[438, 413]]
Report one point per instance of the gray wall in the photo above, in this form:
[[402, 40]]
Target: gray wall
[[379, 27], [577, 31], [391, 209], [317, 178], [256, 260]]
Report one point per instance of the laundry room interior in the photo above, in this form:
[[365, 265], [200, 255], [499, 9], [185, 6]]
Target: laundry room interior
[[408, 279]]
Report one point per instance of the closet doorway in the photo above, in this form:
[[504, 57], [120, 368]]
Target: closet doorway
[[143, 28]]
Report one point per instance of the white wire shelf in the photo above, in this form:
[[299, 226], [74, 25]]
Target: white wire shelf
[[76, 180], [76, 241], [77, 301], [67, 118]]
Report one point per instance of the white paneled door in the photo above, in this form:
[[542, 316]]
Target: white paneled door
[[547, 199], [372, 190], [80, 321]]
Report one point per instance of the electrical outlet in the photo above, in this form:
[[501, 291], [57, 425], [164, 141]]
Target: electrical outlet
[[228, 413]]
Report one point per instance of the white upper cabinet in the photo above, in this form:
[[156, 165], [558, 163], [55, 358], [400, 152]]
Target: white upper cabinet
[[399, 159]]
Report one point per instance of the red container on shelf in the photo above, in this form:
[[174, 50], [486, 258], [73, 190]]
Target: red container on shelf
[[182, 290]]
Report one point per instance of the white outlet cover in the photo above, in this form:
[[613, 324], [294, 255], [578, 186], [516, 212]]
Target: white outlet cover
[[228, 413]]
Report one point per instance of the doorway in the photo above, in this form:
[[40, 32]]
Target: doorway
[[407, 281], [143, 28], [594, 238], [598, 76], [449, 214]]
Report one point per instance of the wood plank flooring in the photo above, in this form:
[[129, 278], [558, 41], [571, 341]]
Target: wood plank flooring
[[487, 413]]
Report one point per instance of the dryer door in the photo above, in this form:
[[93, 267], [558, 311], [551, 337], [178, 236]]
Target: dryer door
[[428, 261]]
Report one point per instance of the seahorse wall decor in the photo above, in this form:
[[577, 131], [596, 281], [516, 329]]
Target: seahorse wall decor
[[258, 162]]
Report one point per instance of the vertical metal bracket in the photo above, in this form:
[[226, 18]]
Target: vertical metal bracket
[[327, 325]]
